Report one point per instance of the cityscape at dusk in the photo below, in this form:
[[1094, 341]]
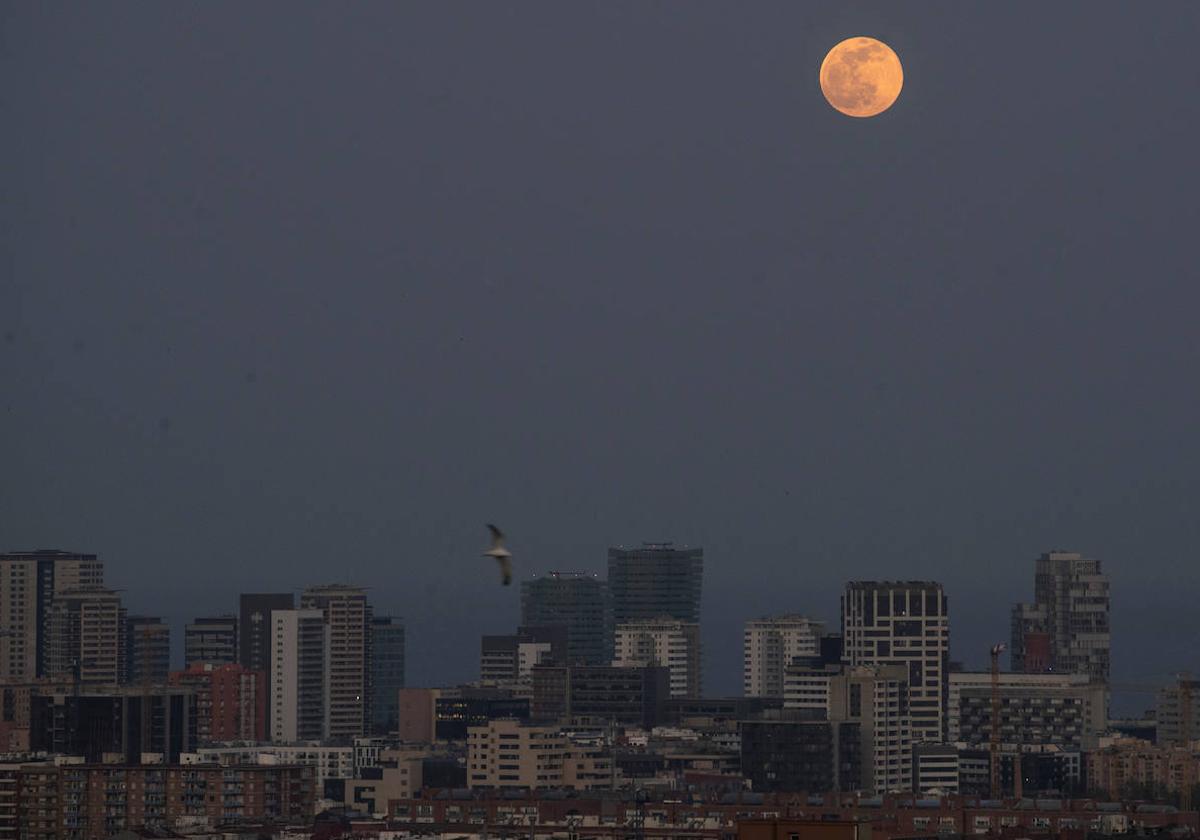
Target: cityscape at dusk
[[564, 420]]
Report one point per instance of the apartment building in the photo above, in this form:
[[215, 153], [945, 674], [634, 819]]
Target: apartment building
[[770, 645], [663, 642]]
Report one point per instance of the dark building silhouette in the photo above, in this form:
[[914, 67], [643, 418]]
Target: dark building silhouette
[[453, 716], [124, 722], [212, 640], [795, 755], [387, 663], [600, 694], [577, 601], [655, 581], [147, 657]]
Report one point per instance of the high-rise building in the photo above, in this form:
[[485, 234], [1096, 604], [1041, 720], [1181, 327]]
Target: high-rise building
[[770, 645], [1066, 628], [231, 702], [577, 601], [85, 639], [874, 696], [511, 658], [29, 581], [212, 640], [655, 580], [298, 699], [903, 623], [665, 642], [254, 627], [792, 753], [1174, 702], [348, 617], [147, 650], [387, 660]]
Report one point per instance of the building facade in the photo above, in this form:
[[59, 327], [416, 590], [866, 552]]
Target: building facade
[[231, 702], [299, 662], [125, 723], [577, 601], [387, 677], [511, 658], [86, 637], [147, 659], [255, 627], [1066, 628], [597, 695], [666, 643], [211, 640], [903, 623], [769, 645], [1064, 710], [655, 580], [348, 619], [29, 580], [511, 754]]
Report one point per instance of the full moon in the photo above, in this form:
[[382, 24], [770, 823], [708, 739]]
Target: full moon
[[861, 77]]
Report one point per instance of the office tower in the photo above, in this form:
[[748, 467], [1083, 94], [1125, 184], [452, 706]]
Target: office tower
[[655, 580], [874, 696], [28, 582], [577, 601], [1063, 710], [212, 640], [147, 650], [674, 645], [903, 623], [598, 695], [231, 702], [254, 627], [348, 617], [85, 638], [1066, 629], [387, 662], [128, 722], [511, 658], [298, 707], [770, 645]]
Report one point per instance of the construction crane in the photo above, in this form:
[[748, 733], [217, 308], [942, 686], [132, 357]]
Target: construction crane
[[994, 743]]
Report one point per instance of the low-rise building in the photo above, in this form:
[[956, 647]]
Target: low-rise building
[[510, 754]]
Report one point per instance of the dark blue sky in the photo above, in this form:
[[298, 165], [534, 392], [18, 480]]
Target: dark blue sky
[[300, 292]]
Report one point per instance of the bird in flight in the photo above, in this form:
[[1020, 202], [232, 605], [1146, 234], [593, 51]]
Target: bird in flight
[[503, 555]]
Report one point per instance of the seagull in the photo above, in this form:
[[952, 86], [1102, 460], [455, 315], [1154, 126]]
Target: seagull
[[503, 555]]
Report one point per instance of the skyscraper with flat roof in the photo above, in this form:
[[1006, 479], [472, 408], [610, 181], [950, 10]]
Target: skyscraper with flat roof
[[348, 618], [654, 581], [903, 623], [299, 667], [387, 662], [577, 601], [86, 636], [770, 645], [28, 582]]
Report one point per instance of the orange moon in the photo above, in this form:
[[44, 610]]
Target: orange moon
[[861, 77]]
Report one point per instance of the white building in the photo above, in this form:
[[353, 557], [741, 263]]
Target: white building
[[300, 655], [874, 696], [664, 642], [903, 623], [770, 645], [329, 762]]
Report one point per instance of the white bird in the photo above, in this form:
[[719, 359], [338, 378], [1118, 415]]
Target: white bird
[[503, 555]]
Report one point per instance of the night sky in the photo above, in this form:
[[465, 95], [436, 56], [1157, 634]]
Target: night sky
[[293, 293]]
